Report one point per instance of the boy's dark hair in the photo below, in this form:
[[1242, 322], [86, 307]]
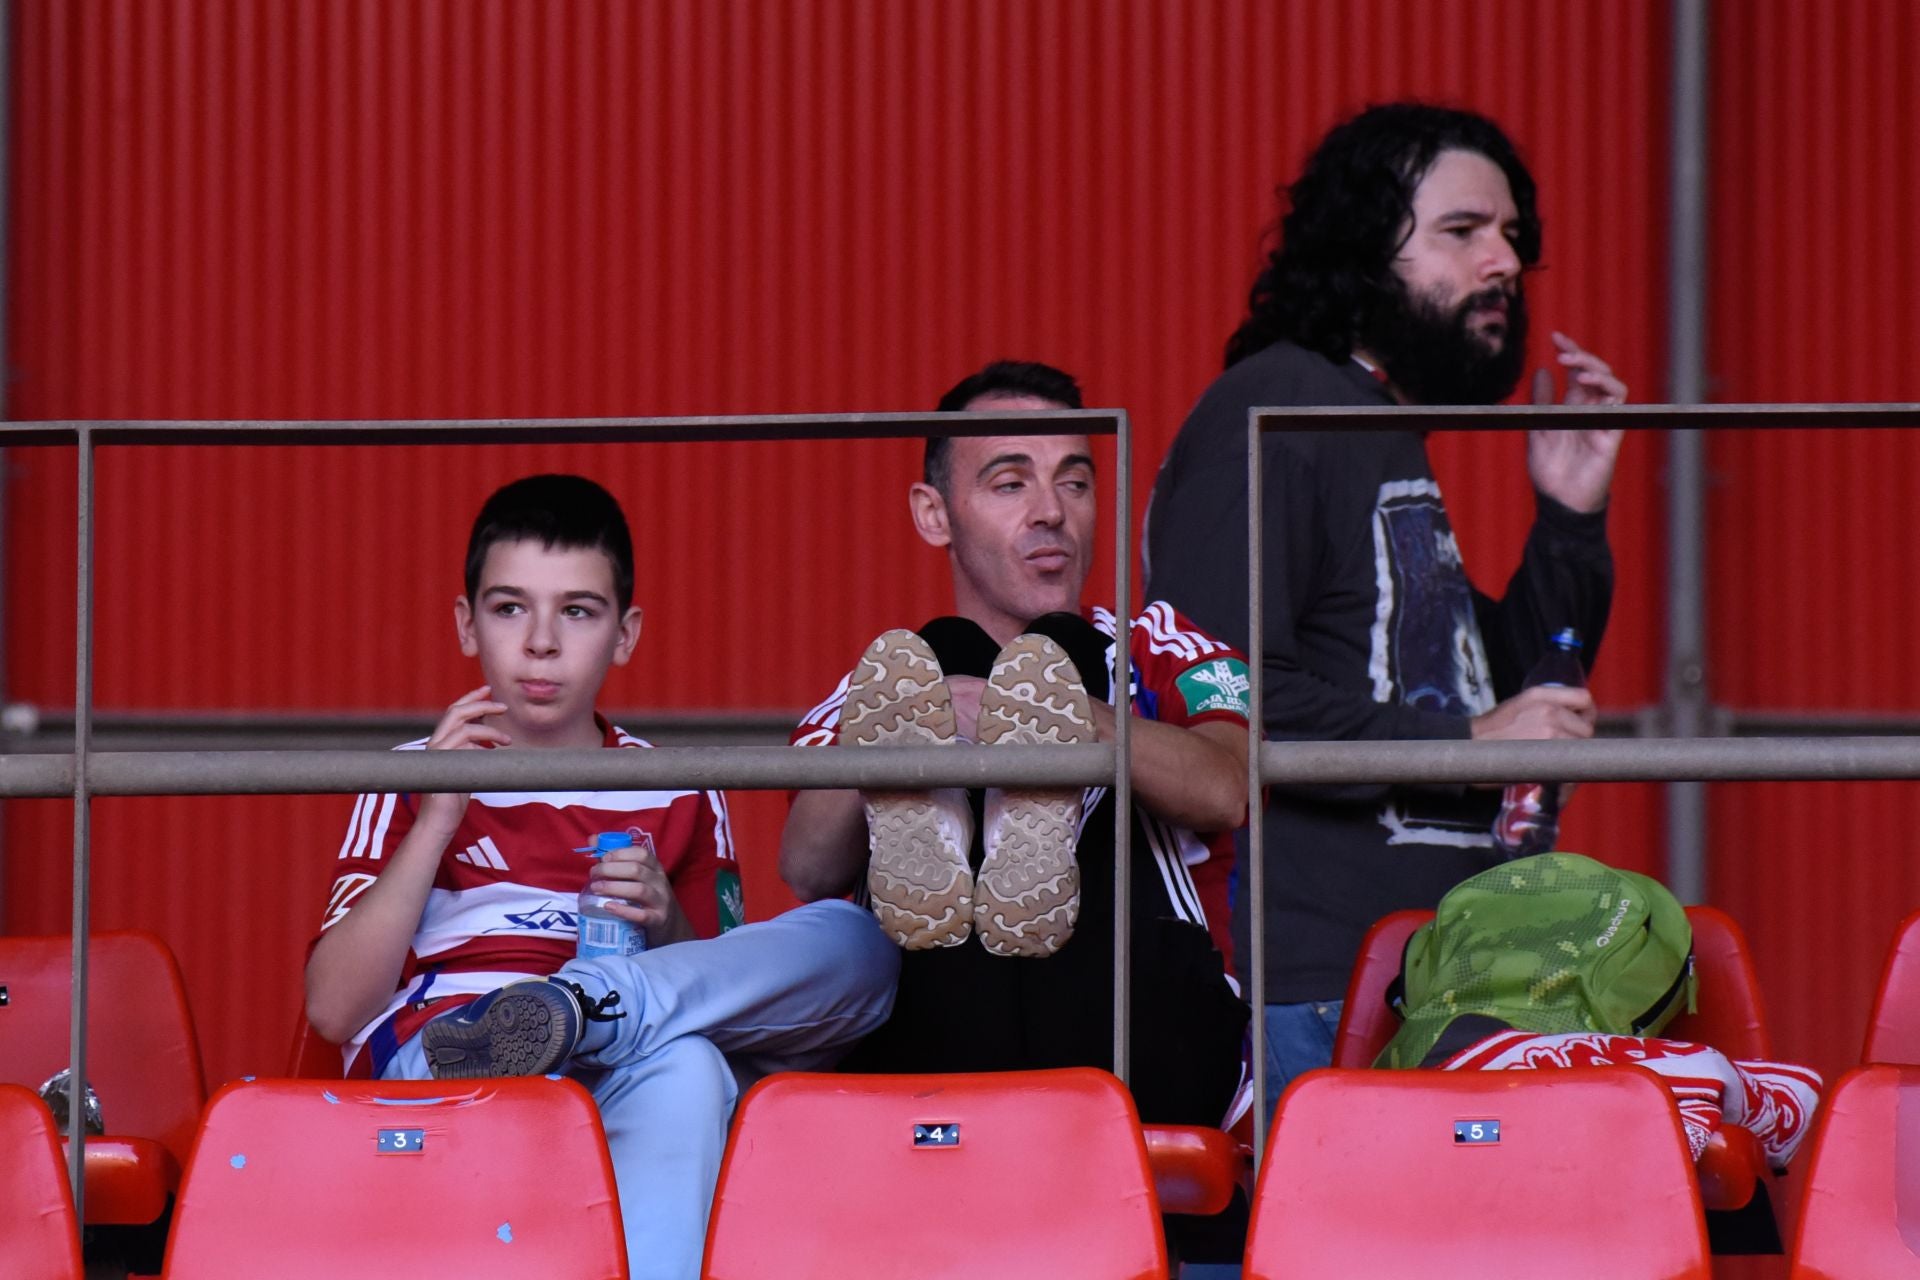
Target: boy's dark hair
[[559, 512], [1347, 216], [1001, 378]]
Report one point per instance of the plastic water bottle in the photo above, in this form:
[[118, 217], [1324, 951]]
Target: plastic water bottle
[[601, 932], [1529, 820]]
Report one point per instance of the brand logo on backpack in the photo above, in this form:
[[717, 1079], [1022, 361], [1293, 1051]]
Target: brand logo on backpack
[[1614, 927]]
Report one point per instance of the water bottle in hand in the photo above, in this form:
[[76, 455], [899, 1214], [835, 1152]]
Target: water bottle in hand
[[603, 933], [1529, 820]]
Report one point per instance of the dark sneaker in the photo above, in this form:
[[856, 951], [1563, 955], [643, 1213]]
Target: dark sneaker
[[917, 872], [522, 1029], [1027, 892]]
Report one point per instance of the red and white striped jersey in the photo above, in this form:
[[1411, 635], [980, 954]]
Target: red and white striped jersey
[[504, 902], [1181, 676]]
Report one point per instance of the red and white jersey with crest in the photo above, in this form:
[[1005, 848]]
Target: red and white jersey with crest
[[1181, 676], [504, 902]]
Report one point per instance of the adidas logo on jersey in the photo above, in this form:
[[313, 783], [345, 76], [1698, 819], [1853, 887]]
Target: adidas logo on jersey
[[483, 854]]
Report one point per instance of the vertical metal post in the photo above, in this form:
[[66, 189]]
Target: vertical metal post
[[1686, 658], [1119, 694], [1256, 882], [82, 740], [6, 118]]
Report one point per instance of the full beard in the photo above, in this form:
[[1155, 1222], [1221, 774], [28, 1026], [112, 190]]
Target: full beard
[[1432, 356]]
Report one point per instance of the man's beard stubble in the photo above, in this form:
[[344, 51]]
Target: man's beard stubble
[[1431, 356]]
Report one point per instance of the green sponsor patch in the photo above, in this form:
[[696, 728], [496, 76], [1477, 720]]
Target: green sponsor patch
[[1219, 685], [733, 906]]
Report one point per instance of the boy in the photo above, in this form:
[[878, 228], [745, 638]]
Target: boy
[[447, 946]]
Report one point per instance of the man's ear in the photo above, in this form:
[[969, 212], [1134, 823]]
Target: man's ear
[[629, 636], [463, 627], [929, 514]]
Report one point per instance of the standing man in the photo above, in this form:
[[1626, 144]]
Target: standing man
[[1399, 279]]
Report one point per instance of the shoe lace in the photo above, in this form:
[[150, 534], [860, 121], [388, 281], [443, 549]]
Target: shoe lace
[[598, 1010]]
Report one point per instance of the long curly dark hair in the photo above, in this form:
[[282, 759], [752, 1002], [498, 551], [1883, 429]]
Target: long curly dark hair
[[1347, 216]]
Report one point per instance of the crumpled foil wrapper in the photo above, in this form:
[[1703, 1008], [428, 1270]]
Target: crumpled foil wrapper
[[54, 1094]]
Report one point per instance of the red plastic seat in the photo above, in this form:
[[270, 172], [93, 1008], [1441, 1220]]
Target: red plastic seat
[[1590, 1177], [1861, 1215], [305, 1179], [1728, 1015], [1893, 1030], [832, 1176], [142, 1058], [38, 1233], [1195, 1169]]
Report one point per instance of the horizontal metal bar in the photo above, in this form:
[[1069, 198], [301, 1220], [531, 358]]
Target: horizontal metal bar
[[1600, 760], [130, 773], [791, 426], [1774, 722], [208, 773], [27, 728], [1632, 417]]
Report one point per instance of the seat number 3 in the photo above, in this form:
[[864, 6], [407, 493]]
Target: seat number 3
[[401, 1142]]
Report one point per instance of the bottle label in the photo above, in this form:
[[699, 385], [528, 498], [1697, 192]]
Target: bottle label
[[600, 936]]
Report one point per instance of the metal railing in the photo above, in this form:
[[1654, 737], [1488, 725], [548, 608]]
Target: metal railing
[[86, 772], [1646, 760]]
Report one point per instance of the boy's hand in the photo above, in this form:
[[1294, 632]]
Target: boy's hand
[[461, 729], [634, 876]]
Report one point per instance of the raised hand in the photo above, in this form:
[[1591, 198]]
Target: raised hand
[[1575, 468], [462, 728]]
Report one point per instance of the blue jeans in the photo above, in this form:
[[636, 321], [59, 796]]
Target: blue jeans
[[1299, 1038], [704, 1020]]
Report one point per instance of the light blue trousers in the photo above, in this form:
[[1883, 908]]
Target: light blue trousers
[[705, 1019]]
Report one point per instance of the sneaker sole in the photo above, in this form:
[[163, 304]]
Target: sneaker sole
[[1028, 889], [523, 1033], [917, 872]]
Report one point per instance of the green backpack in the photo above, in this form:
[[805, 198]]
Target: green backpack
[[1552, 943]]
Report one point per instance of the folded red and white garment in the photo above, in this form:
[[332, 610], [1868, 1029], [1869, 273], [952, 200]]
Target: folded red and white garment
[[1774, 1100]]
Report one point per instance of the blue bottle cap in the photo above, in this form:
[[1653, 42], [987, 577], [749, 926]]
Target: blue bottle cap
[[1566, 638], [607, 841]]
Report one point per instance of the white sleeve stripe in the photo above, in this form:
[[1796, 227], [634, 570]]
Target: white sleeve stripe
[[380, 828], [827, 713], [1166, 635], [365, 825], [353, 823], [722, 827]]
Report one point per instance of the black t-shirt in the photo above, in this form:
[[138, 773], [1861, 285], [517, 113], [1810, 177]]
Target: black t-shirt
[[1373, 631]]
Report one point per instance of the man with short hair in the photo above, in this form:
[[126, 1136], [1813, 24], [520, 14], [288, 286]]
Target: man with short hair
[[1008, 959], [1398, 279]]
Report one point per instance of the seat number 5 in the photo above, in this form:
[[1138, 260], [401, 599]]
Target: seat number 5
[[1469, 1133]]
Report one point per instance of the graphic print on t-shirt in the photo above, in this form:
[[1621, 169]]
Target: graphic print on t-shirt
[[1426, 646]]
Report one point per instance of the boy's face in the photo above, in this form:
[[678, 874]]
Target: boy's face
[[546, 626]]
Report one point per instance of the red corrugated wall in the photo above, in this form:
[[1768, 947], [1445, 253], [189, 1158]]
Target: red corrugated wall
[[1817, 297], [320, 208]]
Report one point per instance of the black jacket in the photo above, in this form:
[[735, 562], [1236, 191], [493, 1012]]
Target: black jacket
[[1372, 632]]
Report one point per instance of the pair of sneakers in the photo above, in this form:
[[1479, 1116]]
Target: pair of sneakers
[[1025, 897]]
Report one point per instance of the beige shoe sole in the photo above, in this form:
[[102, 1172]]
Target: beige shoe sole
[[917, 872], [1027, 893]]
